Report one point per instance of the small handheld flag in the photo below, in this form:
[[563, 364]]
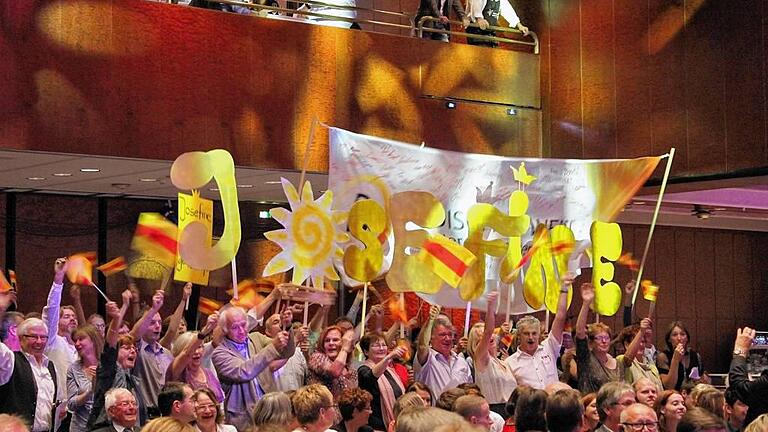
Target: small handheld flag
[[115, 266], [447, 259]]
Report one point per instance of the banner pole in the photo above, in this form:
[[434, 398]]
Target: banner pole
[[234, 278], [365, 306], [306, 154], [466, 318], [402, 308], [653, 225]]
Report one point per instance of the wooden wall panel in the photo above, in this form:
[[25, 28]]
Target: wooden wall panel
[[712, 280], [656, 74], [564, 96]]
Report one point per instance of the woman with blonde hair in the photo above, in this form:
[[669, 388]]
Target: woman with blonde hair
[[188, 358], [760, 424], [314, 408], [274, 408], [493, 376], [167, 424], [81, 374]]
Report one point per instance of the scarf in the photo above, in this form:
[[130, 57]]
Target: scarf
[[386, 391]]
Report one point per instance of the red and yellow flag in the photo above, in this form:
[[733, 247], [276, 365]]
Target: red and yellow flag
[[449, 260], [80, 269], [208, 306], [627, 261], [115, 266], [155, 236], [650, 290]]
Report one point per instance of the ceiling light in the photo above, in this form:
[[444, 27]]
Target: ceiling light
[[36, 178], [62, 174], [450, 104], [273, 182], [147, 180], [511, 111], [89, 170], [214, 189], [245, 186]]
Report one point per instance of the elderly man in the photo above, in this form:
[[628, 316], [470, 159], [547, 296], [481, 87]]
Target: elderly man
[[27, 379], [639, 416], [122, 411], [534, 363], [436, 364], [238, 362], [612, 398]]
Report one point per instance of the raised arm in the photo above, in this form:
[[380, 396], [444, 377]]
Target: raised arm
[[422, 348], [116, 320], [53, 304], [481, 353], [135, 309], [7, 358], [355, 308], [182, 360], [336, 367], [173, 326], [587, 296], [239, 370], [747, 390], [629, 288], [319, 319], [381, 366], [140, 328], [258, 311], [74, 292], [558, 323], [634, 346]]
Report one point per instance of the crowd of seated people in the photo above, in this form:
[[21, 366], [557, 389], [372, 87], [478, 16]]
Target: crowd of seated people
[[249, 370]]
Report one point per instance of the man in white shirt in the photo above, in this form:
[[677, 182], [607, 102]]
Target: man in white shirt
[[436, 365], [485, 13], [534, 363], [27, 378]]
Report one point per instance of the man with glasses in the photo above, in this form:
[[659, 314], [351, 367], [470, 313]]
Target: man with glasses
[[122, 411], [612, 398], [28, 379], [436, 365], [639, 417]]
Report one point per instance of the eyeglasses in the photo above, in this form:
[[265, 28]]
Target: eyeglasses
[[37, 337], [379, 345], [205, 407], [601, 338], [638, 427], [125, 404]]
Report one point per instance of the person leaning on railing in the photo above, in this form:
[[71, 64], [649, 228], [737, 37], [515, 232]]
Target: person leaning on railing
[[486, 13]]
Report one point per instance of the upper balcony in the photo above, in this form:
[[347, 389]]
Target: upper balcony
[[152, 80]]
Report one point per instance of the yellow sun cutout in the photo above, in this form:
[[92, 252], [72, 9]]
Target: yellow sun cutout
[[311, 238]]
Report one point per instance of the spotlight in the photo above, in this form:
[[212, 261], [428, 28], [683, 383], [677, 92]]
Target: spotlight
[[450, 105], [511, 111]]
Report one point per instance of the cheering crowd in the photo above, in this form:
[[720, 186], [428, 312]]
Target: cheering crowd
[[252, 370]]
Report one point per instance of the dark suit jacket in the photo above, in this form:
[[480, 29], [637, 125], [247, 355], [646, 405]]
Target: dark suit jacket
[[432, 8], [753, 393], [19, 395], [108, 428]]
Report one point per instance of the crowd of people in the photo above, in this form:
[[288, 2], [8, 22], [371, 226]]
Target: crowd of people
[[262, 370], [476, 15]]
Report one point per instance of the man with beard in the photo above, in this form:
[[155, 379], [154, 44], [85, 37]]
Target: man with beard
[[436, 364], [534, 363]]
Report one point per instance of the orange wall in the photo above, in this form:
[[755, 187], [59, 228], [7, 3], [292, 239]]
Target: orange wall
[[144, 79]]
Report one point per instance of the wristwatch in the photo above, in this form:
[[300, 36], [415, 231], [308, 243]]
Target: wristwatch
[[739, 352]]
